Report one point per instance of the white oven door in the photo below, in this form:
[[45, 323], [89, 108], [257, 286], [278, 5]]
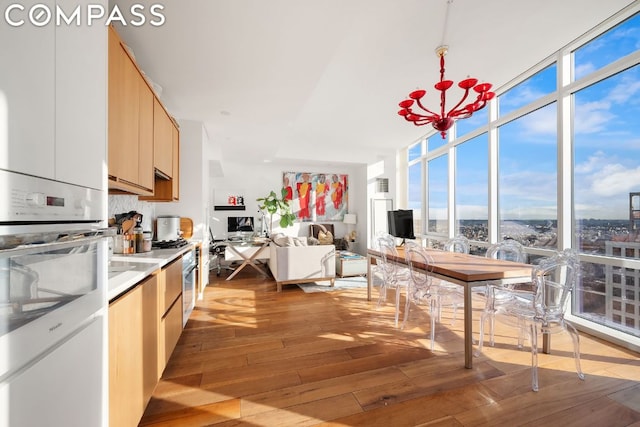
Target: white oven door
[[53, 306]]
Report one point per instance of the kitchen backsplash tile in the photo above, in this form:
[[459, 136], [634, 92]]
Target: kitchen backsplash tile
[[123, 204]]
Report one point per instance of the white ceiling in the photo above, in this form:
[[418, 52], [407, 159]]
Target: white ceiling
[[302, 80]]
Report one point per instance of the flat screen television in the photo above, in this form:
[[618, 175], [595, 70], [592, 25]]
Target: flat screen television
[[400, 223], [236, 224]]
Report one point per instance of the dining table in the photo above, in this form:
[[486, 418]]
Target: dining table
[[466, 270]]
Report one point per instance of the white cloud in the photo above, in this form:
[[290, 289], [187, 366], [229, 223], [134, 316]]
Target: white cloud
[[624, 91], [521, 95], [541, 122], [592, 117], [615, 179], [583, 69], [602, 186], [591, 164]]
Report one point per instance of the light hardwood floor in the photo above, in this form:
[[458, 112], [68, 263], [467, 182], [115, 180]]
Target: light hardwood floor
[[250, 356]]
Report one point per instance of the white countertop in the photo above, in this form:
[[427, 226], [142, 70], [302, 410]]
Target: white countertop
[[127, 270]]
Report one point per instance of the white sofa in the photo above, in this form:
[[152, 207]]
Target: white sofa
[[302, 264]]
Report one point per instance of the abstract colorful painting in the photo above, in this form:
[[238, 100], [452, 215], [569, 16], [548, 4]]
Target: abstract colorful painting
[[317, 197]]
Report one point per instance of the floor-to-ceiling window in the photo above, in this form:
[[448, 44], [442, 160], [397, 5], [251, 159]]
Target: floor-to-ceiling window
[[437, 176], [606, 172], [415, 187], [554, 162], [472, 189], [527, 179]]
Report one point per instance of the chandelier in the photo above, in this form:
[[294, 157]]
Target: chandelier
[[443, 121]]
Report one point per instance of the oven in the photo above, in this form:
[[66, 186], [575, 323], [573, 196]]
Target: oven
[[189, 270], [53, 303]]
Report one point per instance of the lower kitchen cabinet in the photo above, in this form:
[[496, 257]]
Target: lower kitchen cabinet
[[144, 327], [170, 306], [133, 334], [170, 330]]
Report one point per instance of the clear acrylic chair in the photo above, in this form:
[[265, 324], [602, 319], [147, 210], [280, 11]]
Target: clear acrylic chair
[[458, 244], [394, 276], [542, 310], [424, 289], [509, 250]]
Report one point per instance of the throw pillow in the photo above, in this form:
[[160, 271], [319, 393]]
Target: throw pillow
[[325, 238], [312, 241]]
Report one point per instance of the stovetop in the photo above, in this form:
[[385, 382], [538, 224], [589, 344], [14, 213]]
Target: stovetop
[[169, 244]]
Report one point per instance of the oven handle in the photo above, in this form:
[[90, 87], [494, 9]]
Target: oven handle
[[65, 241]]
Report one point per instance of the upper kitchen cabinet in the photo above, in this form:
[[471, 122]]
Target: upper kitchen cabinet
[[167, 186], [162, 136], [53, 97], [130, 115], [145, 136]]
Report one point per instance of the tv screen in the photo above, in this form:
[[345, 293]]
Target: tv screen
[[239, 223], [400, 223]]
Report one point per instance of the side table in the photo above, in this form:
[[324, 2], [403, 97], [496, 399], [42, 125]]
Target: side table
[[350, 264]]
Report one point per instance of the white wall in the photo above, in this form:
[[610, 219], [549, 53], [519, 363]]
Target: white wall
[[256, 180], [385, 168]]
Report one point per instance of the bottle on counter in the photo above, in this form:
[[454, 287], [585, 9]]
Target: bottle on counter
[[146, 241], [128, 244], [138, 238]]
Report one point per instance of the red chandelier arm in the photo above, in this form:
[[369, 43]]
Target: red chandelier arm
[[423, 121], [426, 109], [454, 112]]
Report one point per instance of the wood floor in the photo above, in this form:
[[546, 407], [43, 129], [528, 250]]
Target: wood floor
[[250, 356]]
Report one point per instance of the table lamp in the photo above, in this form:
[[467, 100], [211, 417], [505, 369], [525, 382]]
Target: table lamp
[[350, 220]]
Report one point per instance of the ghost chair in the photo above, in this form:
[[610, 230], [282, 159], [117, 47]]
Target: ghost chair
[[394, 276], [424, 289], [541, 311]]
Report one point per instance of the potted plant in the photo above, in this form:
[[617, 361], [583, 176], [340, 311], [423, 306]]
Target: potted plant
[[273, 204]]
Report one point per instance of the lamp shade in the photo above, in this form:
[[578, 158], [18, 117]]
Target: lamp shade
[[349, 218]]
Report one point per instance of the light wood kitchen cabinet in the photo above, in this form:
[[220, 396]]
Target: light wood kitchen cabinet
[[168, 190], [170, 330], [146, 174], [150, 336], [175, 182], [145, 325], [170, 306], [162, 136], [144, 141], [125, 147], [133, 338]]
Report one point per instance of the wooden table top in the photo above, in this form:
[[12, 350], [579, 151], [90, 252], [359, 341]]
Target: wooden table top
[[465, 267]]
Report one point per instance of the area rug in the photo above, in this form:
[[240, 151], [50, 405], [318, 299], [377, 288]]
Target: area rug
[[341, 284]]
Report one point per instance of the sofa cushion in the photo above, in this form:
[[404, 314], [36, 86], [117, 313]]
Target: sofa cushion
[[287, 241]]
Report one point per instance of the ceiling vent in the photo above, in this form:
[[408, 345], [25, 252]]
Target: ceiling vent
[[382, 185]]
